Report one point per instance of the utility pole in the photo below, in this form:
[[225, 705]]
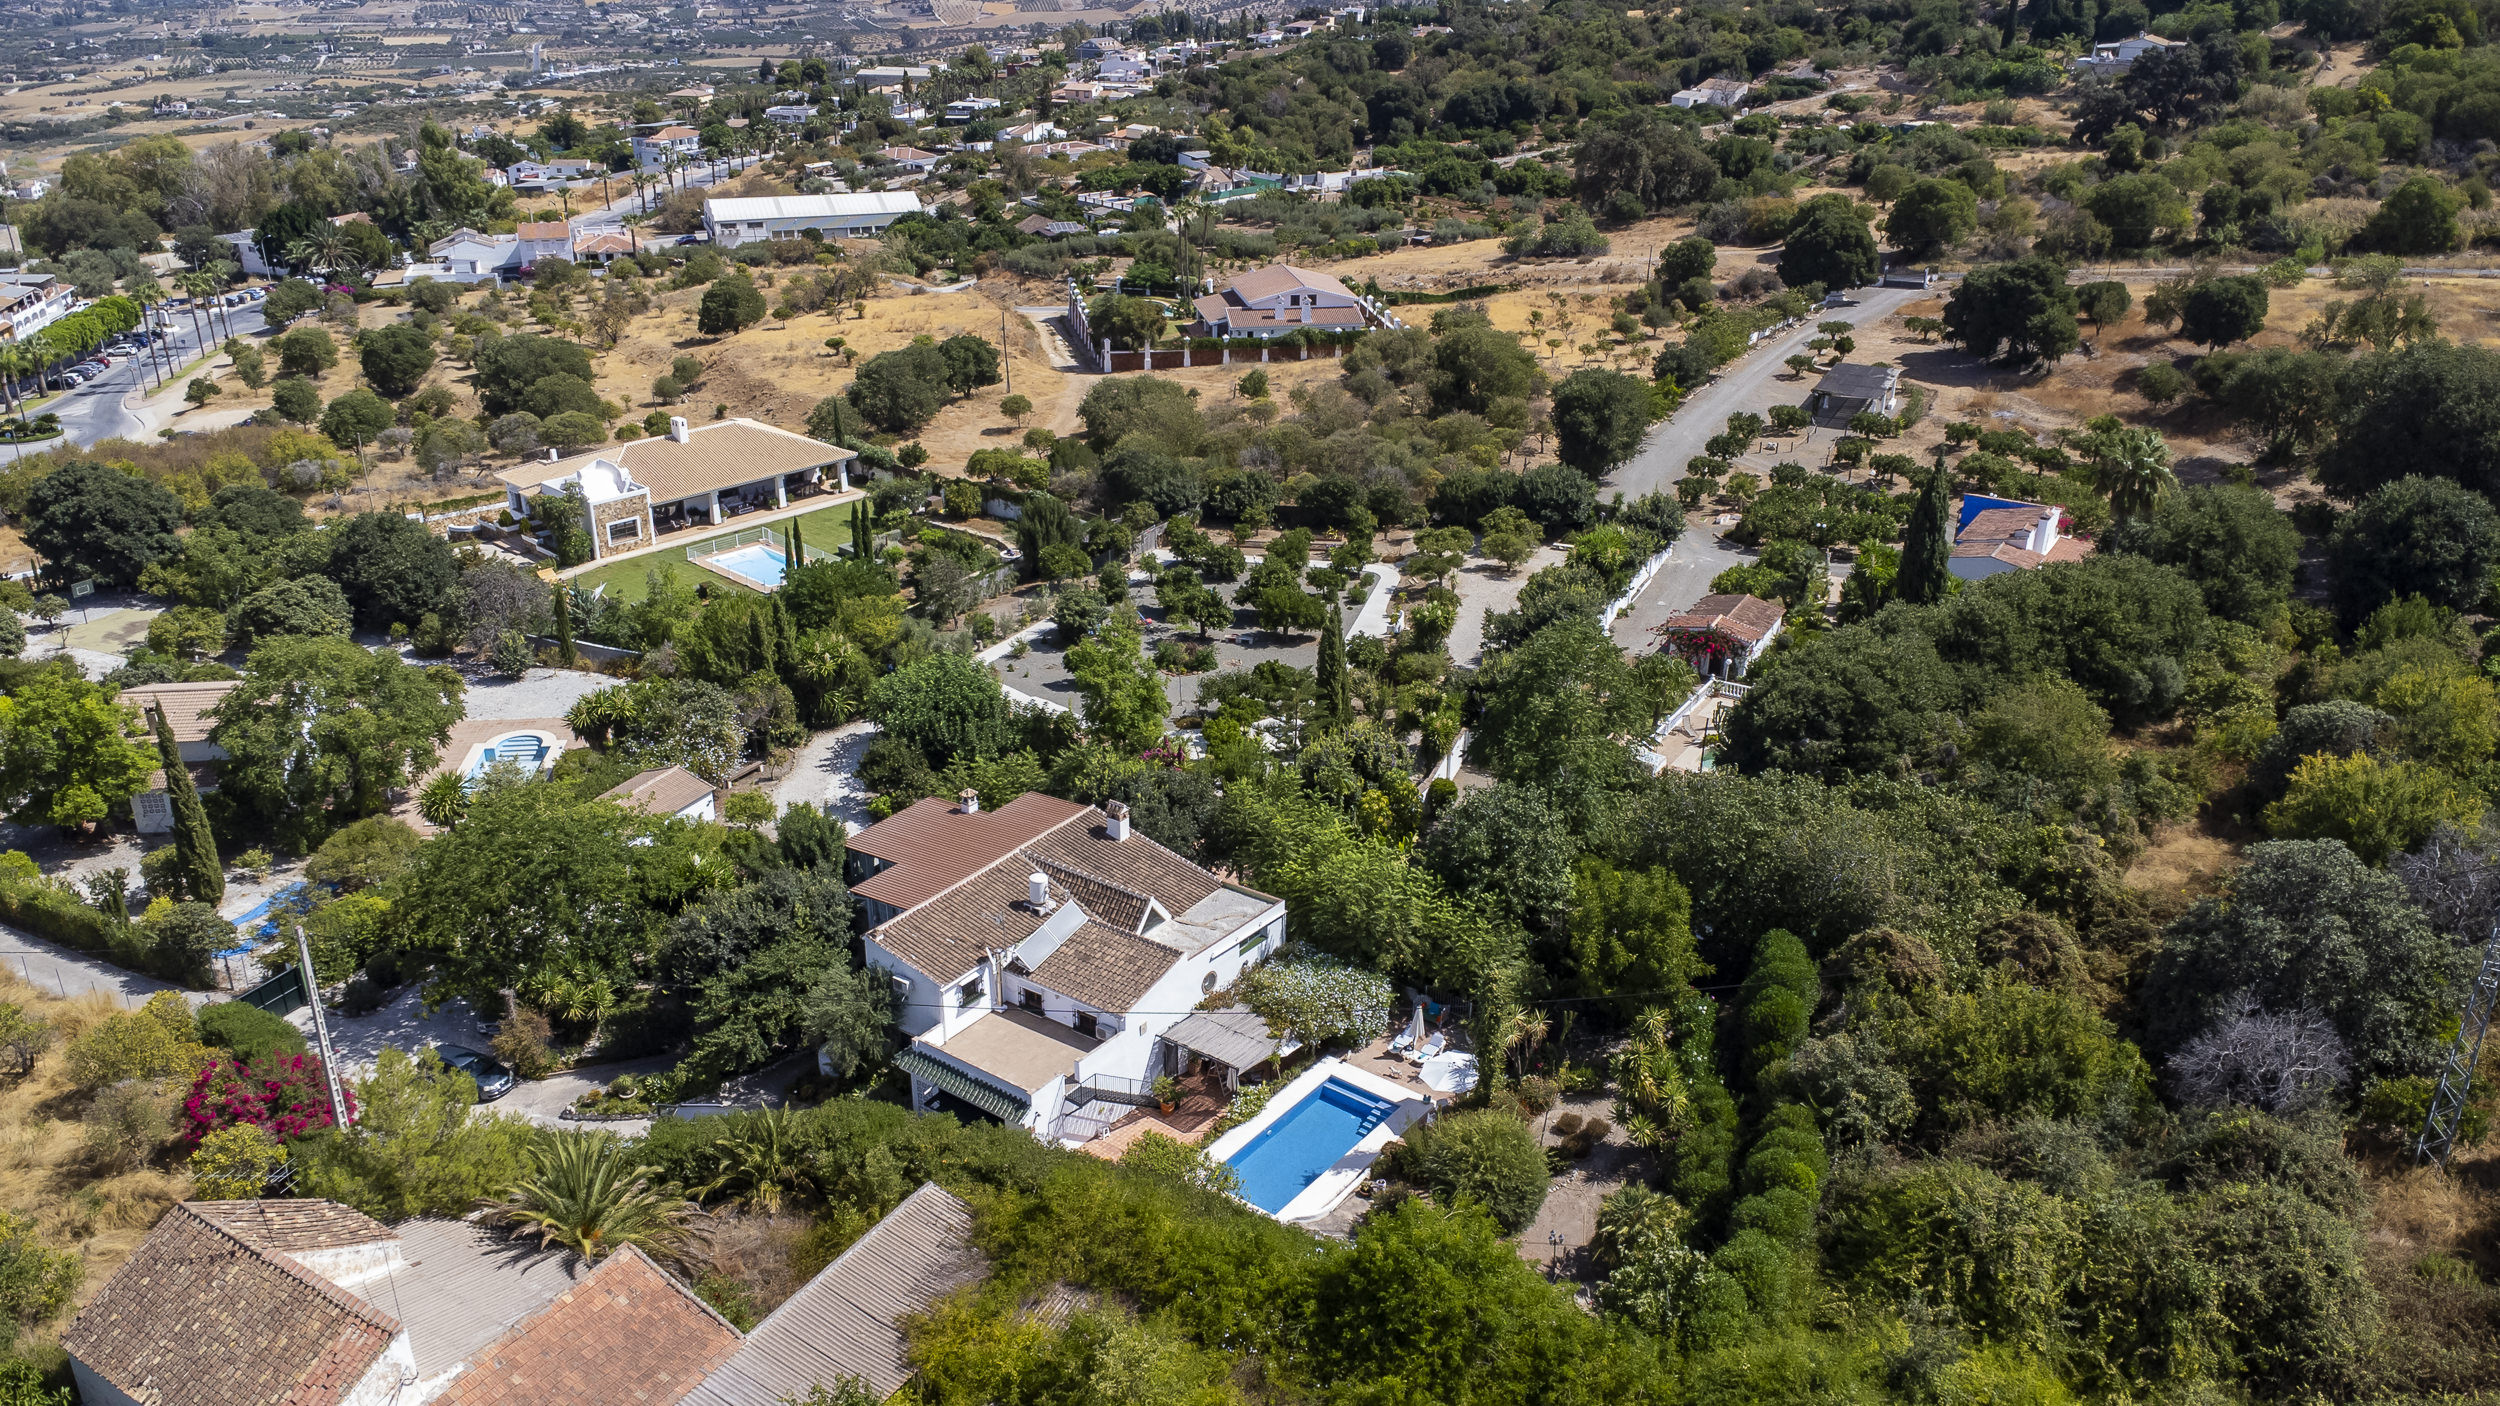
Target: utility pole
[[339, 1113], [1006, 363]]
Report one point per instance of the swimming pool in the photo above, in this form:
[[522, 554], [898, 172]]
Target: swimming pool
[[526, 749], [754, 562], [1309, 1139]]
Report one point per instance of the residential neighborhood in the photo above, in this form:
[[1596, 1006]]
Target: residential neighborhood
[[1495, 704]]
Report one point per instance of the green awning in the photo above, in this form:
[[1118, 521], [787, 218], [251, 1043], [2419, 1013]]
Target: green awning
[[1003, 1104]]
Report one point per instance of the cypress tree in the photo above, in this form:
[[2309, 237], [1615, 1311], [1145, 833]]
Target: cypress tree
[[760, 643], [199, 872], [1927, 546], [564, 627], [798, 549], [1333, 694], [863, 537]]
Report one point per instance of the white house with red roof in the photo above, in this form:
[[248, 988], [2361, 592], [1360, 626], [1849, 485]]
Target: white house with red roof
[[1998, 535], [1040, 952], [1278, 299]]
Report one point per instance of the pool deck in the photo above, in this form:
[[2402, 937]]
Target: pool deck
[[1332, 1186]]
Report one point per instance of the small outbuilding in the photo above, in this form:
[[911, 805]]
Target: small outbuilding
[[1847, 390]]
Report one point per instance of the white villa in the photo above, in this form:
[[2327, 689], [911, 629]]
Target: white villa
[[1278, 299], [1042, 953], [731, 223], [695, 475], [30, 302], [2113, 59]]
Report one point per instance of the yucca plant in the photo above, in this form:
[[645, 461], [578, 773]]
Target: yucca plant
[[586, 1192]]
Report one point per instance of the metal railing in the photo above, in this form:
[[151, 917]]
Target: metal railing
[[733, 542]]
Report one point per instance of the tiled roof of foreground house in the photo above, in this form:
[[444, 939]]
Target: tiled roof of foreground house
[[279, 1303], [209, 1313], [847, 1320], [1748, 618], [626, 1333]]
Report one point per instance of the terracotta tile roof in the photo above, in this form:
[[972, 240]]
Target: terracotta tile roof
[[1213, 308], [202, 1316], [1277, 279], [1104, 967], [721, 455], [665, 791], [1748, 618], [847, 1321], [1136, 864], [186, 705], [604, 244], [627, 1334], [947, 935], [542, 229], [934, 847], [291, 1226], [1102, 900]]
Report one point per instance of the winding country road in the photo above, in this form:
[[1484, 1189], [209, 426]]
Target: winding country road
[[1752, 382]]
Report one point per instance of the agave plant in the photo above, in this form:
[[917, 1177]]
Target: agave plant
[[763, 1162], [444, 800], [586, 1192]]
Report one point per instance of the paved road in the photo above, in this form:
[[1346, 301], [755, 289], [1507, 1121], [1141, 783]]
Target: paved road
[[611, 216], [58, 971], [1755, 382], [95, 411]]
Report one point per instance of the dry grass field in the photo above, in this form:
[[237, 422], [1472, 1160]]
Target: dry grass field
[[46, 1171]]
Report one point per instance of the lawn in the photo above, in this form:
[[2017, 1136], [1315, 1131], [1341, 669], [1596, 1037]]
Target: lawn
[[627, 580]]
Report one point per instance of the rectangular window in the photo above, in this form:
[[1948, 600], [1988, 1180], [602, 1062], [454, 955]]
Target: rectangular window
[[625, 530], [969, 993], [1033, 1000], [1085, 1025]]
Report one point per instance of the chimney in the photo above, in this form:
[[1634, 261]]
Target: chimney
[[677, 428], [1117, 823], [1037, 892], [968, 801], [551, 453]]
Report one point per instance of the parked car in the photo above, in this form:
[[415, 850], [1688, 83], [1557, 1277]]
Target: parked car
[[494, 1080]]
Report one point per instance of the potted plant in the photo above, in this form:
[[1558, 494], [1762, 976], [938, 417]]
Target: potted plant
[[1167, 1091]]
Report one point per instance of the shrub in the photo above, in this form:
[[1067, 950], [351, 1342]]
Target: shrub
[[235, 1164], [159, 1041], [35, 1283], [284, 1093], [1485, 1156], [248, 1032], [126, 1122]]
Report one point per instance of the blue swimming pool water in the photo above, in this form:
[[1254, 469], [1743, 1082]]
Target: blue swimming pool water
[[527, 749], [756, 562], [1277, 1164]]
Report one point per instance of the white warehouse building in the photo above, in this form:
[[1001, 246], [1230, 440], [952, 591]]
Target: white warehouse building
[[731, 223]]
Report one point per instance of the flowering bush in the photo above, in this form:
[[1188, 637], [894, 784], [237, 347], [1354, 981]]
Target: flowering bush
[[282, 1094]]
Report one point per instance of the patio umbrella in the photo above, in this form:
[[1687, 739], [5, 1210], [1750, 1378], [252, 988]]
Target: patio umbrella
[[1415, 1027]]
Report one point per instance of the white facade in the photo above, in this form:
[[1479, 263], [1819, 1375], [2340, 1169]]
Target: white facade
[[653, 151], [731, 223], [30, 302]]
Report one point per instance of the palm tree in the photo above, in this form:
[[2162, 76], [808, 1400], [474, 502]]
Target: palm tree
[[764, 1159], [586, 1192], [2129, 464], [196, 284]]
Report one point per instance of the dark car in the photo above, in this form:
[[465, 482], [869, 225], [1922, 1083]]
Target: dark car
[[493, 1079]]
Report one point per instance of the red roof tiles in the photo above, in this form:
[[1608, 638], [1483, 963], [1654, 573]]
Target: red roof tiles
[[628, 1334]]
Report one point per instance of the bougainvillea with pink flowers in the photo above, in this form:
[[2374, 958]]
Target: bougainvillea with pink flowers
[[284, 1093]]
